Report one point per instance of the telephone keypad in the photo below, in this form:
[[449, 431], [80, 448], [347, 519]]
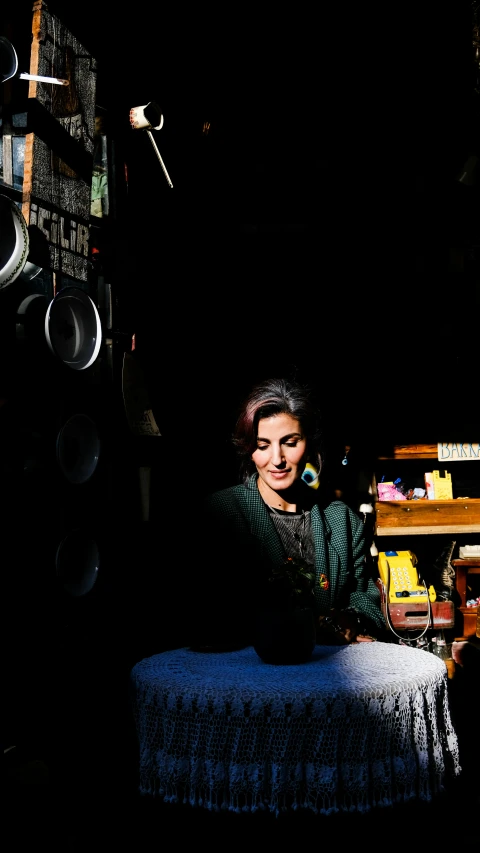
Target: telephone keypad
[[398, 572], [402, 582]]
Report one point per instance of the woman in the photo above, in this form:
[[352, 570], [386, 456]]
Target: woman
[[249, 529]]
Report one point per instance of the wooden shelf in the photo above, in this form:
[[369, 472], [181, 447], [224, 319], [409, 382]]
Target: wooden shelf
[[408, 518], [457, 452], [412, 451], [426, 517], [463, 568]]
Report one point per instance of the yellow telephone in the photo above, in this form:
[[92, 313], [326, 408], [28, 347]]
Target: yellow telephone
[[400, 578]]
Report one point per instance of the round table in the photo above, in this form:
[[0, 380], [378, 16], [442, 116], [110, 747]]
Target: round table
[[356, 727]]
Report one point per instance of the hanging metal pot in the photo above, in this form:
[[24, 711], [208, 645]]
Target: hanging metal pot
[[73, 329], [77, 562], [78, 448]]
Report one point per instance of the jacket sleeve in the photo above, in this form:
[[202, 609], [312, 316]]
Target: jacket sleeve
[[364, 595]]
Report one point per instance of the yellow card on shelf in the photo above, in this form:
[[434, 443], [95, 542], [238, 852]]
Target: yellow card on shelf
[[442, 484]]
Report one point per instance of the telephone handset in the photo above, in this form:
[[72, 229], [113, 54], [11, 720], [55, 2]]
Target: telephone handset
[[400, 578]]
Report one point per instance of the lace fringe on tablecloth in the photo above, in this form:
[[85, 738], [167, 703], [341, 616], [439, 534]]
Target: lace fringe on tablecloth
[[348, 751]]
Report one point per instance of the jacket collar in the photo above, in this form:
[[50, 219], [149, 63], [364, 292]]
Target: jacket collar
[[262, 526], [263, 529]]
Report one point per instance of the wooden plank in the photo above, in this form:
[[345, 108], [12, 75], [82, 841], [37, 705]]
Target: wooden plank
[[424, 530], [426, 512], [56, 198], [7, 160], [35, 47], [443, 452], [413, 451], [42, 125], [402, 518], [469, 621]]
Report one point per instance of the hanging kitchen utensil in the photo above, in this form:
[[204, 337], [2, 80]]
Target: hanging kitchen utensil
[[77, 562], [9, 66], [78, 448], [30, 271], [73, 329], [14, 241], [30, 318], [149, 117]]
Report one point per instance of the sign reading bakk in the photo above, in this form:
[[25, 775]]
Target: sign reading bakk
[[458, 452]]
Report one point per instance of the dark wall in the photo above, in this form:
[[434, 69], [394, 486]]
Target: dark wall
[[308, 234]]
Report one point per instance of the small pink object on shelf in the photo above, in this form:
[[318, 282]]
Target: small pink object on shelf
[[389, 492]]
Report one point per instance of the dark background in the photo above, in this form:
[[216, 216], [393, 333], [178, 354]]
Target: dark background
[[318, 230], [311, 230]]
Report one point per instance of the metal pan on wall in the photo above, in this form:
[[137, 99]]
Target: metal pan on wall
[[30, 271], [9, 66], [30, 317], [78, 448], [14, 241], [73, 329], [77, 562]]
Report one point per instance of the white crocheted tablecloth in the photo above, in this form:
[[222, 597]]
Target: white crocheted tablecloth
[[356, 727]]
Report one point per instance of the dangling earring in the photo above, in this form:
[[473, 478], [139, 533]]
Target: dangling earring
[[310, 476]]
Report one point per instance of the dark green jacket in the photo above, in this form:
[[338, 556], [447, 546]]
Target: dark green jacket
[[241, 546]]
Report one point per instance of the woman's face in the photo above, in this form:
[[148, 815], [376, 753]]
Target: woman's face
[[281, 451]]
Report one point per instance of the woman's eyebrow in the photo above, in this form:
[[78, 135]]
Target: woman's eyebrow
[[283, 438]]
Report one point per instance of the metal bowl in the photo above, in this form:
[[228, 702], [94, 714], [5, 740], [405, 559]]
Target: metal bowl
[[73, 329], [14, 241], [78, 448]]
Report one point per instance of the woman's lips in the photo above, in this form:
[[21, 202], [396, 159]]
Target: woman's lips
[[278, 475]]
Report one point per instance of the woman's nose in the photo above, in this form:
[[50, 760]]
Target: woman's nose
[[277, 456]]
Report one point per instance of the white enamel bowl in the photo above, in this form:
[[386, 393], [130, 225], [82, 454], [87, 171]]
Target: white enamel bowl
[[73, 329], [14, 241]]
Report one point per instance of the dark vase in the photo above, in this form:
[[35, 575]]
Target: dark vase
[[284, 636]]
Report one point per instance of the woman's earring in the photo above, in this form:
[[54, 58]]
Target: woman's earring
[[310, 476]]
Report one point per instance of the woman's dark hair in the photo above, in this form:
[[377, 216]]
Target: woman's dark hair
[[276, 397]]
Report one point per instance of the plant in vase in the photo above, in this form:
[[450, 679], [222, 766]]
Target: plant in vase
[[285, 628]]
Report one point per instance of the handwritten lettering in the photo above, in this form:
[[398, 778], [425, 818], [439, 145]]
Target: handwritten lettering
[[458, 451], [61, 231]]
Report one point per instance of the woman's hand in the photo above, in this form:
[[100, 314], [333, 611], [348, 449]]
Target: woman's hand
[[340, 627]]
